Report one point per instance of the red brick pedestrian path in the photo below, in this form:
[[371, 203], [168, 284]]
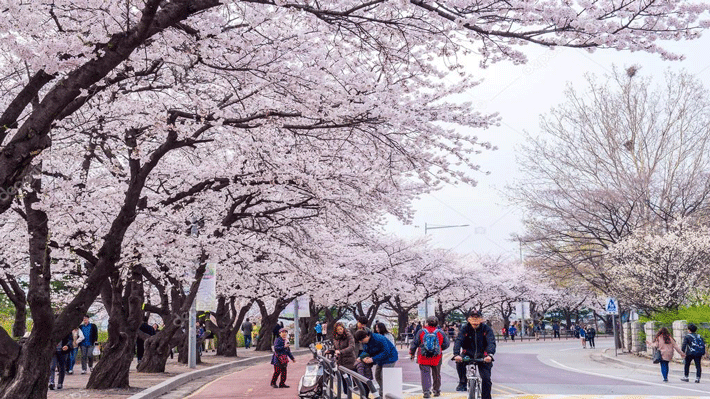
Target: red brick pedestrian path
[[254, 383]]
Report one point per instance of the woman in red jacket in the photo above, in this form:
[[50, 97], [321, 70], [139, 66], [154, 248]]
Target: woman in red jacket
[[429, 343]]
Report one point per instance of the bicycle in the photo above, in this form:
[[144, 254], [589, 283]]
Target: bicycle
[[474, 379]]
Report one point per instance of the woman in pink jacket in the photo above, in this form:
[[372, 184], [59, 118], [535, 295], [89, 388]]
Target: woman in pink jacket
[[666, 344]]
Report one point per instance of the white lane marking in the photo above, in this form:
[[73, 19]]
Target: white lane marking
[[624, 379]]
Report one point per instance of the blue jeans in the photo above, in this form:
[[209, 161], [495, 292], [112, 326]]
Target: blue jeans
[[247, 340], [664, 369], [71, 359]]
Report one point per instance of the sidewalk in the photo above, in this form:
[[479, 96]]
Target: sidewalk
[[641, 360], [254, 382], [74, 385]]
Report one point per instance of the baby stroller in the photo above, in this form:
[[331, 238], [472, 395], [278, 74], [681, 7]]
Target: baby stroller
[[313, 381]]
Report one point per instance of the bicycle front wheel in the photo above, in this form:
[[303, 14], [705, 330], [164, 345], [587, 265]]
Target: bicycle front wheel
[[474, 391]]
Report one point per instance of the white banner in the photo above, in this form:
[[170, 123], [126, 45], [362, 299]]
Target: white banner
[[206, 299], [304, 306]]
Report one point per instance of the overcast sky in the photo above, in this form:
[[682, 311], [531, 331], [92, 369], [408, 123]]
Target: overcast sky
[[521, 94]]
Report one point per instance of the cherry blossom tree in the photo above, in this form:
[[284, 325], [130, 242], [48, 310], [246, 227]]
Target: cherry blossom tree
[[621, 155], [314, 110], [655, 269]]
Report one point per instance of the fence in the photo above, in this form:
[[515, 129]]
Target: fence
[[340, 382], [636, 334]]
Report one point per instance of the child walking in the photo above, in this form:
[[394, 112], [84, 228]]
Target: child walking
[[282, 352]]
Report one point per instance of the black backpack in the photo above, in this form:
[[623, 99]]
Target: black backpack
[[696, 345]]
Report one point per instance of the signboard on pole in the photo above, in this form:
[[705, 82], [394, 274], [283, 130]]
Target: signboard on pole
[[612, 306], [522, 310], [426, 308], [206, 299], [304, 306]]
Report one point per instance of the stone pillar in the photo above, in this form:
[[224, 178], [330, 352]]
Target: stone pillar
[[626, 344], [637, 344], [650, 328], [680, 328]]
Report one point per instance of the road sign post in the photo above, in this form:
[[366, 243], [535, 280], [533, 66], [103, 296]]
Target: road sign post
[[613, 308]]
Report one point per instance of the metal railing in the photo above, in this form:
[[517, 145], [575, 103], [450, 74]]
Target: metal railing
[[363, 384]]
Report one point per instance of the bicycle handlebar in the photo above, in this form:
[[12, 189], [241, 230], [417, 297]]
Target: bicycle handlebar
[[466, 359]]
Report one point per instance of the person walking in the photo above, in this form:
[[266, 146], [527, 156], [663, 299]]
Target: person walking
[[247, 328], [428, 346], [512, 331], [504, 333], [319, 331], [209, 341], [556, 329], [694, 349], [140, 343], [666, 344], [379, 351], [477, 341], [538, 331], [410, 332], [59, 361], [282, 352], [91, 335], [591, 333], [583, 337], [77, 337]]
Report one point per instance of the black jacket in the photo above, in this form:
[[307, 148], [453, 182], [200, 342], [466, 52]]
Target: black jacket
[[476, 343], [66, 341]]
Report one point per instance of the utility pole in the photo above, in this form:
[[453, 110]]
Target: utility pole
[[297, 325]]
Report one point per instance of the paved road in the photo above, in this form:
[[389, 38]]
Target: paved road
[[530, 370]]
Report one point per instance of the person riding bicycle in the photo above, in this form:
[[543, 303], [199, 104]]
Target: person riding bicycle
[[477, 341]]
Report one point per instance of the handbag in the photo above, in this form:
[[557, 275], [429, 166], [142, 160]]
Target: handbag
[[657, 356]]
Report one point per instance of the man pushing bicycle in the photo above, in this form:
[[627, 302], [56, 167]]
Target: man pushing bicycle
[[476, 340]]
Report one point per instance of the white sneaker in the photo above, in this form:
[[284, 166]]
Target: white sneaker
[[83, 371]]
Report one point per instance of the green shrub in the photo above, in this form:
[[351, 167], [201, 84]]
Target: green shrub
[[696, 314]]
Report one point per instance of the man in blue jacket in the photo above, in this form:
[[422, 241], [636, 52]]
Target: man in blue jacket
[[380, 352]]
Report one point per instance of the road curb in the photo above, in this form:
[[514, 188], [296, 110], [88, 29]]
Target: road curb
[[676, 360], [175, 382]]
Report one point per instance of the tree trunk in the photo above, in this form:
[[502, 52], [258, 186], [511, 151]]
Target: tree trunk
[[17, 296], [157, 348], [184, 347], [307, 325], [229, 322], [331, 318], [402, 313], [568, 318], [19, 327], [112, 371], [402, 321], [268, 321], [27, 376]]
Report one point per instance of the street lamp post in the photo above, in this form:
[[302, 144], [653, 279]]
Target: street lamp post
[[428, 227]]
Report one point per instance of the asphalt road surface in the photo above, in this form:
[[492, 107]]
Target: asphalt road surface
[[529, 370]]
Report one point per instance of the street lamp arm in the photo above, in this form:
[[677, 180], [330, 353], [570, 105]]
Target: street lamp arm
[[436, 226]]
